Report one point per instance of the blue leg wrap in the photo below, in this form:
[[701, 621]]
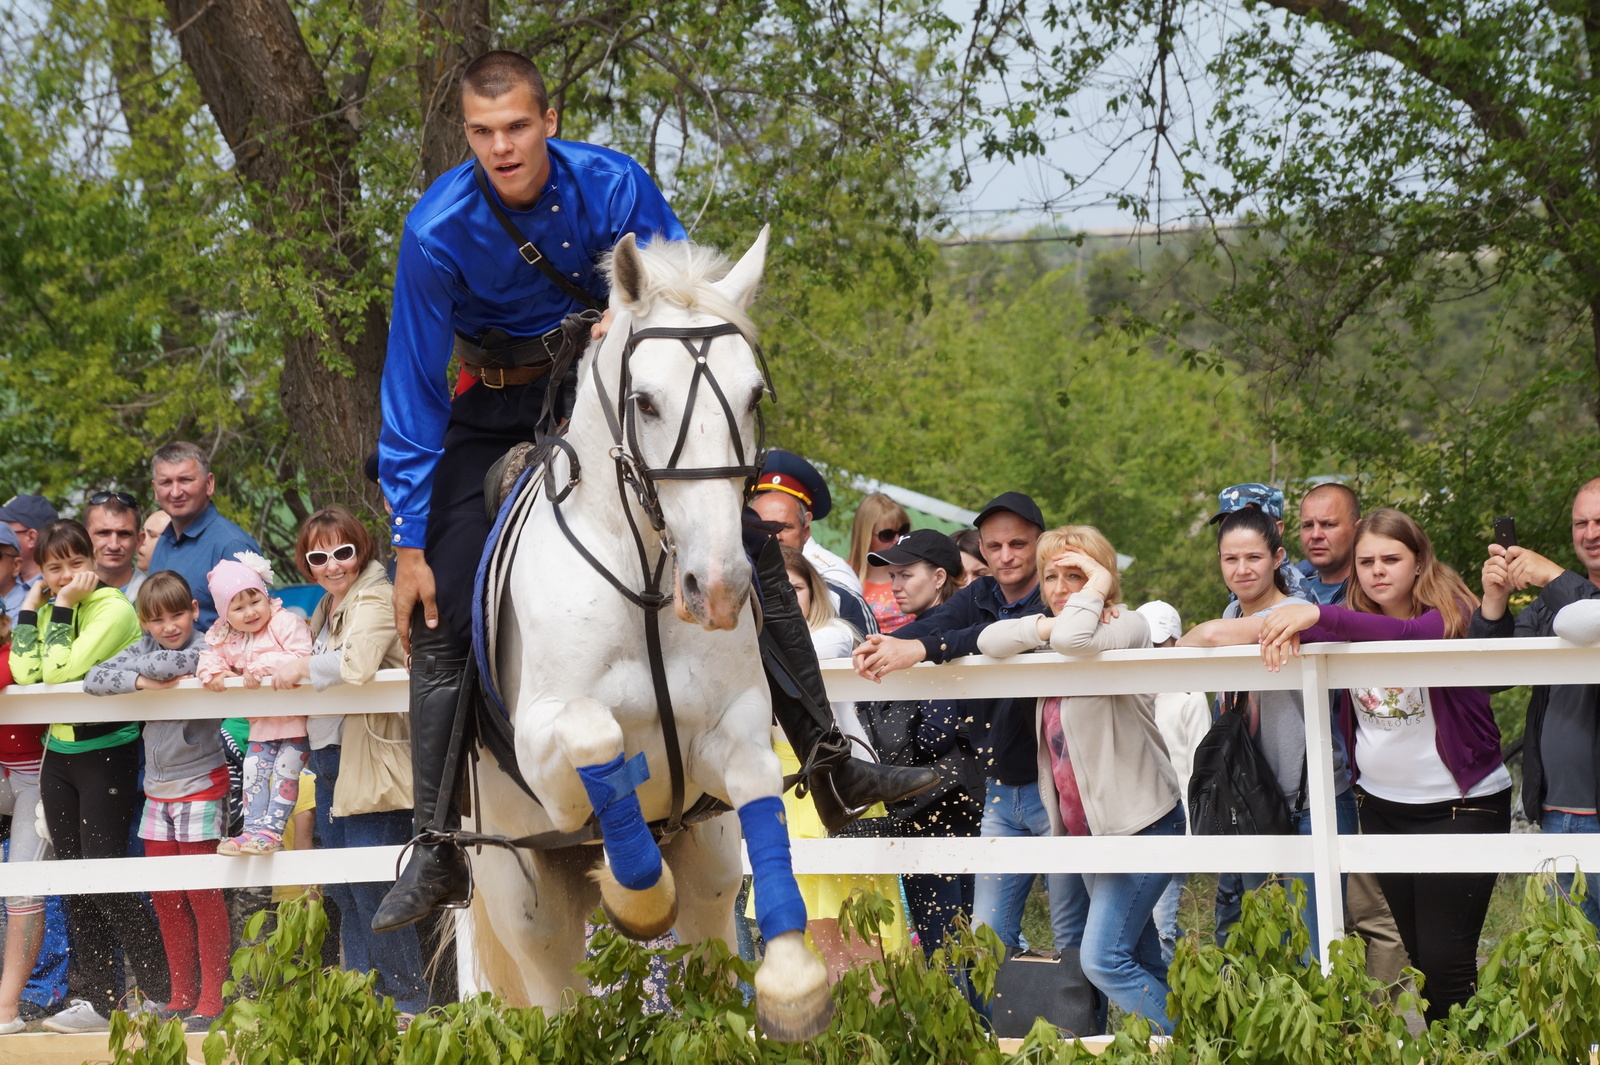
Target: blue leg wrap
[[635, 859], [779, 908]]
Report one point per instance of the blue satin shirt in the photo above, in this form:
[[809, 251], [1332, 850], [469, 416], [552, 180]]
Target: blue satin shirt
[[460, 272]]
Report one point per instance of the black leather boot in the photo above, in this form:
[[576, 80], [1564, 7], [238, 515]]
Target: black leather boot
[[843, 788], [437, 874]]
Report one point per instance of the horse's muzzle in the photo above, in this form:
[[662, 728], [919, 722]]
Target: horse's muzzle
[[713, 604]]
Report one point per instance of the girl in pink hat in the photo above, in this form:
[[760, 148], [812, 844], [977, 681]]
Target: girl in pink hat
[[252, 637]]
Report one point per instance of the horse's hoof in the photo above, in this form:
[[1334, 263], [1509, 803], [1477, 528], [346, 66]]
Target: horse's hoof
[[641, 915], [793, 1000]]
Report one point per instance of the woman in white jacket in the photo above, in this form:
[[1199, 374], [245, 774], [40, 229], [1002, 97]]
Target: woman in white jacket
[[1103, 768]]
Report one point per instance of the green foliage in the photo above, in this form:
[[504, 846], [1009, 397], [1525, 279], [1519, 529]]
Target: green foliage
[[1255, 1001]]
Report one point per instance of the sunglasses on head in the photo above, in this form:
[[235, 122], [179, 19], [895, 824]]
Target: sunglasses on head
[[121, 497], [889, 536], [342, 553]]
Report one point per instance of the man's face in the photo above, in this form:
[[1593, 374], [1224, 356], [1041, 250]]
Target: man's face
[[1327, 531], [507, 134], [10, 565], [1008, 542], [116, 538], [26, 537], [1586, 530], [154, 526], [181, 489], [781, 508]]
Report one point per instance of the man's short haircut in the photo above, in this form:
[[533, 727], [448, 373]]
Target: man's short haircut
[[1343, 489], [116, 508], [62, 539], [163, 592], [493, 74], [180, 451], [333, 525], [1591, 485]]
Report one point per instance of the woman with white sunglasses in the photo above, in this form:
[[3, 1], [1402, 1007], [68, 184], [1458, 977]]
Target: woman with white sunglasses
[[354, 637]]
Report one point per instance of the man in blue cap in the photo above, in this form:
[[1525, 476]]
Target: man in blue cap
[[26, 515], [12, 590], [499, 266]]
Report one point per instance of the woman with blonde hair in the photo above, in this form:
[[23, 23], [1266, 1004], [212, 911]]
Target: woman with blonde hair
[[1103, 767], [1424, 760], [880, 522]]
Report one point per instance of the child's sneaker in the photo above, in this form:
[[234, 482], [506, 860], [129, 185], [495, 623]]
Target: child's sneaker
[[78, 1017]]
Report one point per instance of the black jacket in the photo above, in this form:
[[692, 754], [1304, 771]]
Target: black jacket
[[1538, 619], [1001, 728]]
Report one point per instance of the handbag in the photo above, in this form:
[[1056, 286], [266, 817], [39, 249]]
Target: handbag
[[1031, 985], [374, 765], [1232, 789]]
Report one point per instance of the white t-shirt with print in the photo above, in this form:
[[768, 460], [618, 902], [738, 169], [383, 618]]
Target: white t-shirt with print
[[1397, 746]]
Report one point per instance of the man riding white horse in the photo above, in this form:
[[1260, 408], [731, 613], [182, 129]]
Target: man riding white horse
[[498, 266]]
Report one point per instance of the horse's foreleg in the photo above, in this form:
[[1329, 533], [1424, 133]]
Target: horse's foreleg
[[636, 886], [792, 997]]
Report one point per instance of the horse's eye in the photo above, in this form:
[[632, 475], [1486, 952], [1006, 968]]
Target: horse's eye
[[645, 406], [755, 399]]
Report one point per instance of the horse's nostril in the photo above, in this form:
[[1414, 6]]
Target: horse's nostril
[[691, 586]]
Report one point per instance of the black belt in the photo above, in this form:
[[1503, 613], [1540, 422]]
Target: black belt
[[498, 351]]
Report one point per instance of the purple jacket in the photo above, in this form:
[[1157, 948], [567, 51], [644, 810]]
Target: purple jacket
[[1468, 738]]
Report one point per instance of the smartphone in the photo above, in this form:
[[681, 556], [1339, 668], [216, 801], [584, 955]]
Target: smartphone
[[1505, 532]]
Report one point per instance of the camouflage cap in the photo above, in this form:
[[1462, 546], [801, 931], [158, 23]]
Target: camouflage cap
[[1237, 497]]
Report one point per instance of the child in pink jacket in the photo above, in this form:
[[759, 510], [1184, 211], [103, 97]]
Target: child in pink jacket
[[254, 635]]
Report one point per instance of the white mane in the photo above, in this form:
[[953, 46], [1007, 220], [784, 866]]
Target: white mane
[[681, 274]]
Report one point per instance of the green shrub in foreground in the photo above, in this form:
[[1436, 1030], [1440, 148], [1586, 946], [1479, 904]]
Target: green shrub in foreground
[[1253, 1002]]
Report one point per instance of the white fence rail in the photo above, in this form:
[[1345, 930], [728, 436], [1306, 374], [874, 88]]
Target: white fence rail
[[1322, 667]]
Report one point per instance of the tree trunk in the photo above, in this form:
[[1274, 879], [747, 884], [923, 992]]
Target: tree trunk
[[453, 33], [292, 142]]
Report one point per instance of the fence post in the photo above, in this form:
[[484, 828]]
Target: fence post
[[1320, 803]]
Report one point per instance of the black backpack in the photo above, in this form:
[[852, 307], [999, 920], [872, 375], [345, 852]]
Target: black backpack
[[1232, 789]]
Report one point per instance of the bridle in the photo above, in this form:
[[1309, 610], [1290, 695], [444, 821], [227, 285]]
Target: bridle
[[638, 476]]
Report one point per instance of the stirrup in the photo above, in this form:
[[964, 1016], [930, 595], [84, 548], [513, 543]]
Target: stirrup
[[431, 837]]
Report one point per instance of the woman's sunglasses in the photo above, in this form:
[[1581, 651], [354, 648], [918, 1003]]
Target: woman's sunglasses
[[889, 536], [342, 553]]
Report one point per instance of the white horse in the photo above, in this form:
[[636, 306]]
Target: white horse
[[573, 667]]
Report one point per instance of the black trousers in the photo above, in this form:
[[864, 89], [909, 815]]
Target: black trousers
[[90, 801], [1439, 915], [484, 424], [935, 899]]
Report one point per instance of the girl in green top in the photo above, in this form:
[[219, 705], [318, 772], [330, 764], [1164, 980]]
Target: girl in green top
[[89, 780]]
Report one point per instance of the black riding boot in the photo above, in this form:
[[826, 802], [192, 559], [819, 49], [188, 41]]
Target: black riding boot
[[437, 873], [842, 787]]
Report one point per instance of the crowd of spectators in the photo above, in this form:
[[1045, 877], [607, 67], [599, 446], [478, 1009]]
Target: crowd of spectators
[[124, 600]]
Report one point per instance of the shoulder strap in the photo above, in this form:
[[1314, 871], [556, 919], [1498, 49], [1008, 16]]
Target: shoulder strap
[[530, 254]]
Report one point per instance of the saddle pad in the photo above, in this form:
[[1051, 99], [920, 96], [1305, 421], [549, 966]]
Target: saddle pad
[[489, 585]]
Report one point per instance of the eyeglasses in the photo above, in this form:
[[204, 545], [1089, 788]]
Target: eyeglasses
[[121, 497], [342, 553], [889, 536]]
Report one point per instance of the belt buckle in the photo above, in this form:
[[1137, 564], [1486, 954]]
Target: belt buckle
[[483, 375]]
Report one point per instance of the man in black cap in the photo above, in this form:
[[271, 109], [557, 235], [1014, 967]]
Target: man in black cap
[[1009, 529], [27, 515]]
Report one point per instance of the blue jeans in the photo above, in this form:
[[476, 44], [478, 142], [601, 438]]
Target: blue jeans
[[1166, 916], [396, 956], [1577, 824], [1121, 950], [1346, 818], [997, 900]]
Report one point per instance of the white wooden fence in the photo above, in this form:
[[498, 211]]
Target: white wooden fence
[[1325, 854]]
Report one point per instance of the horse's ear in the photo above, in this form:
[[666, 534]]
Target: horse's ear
[[627, 272], [740, 284]]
